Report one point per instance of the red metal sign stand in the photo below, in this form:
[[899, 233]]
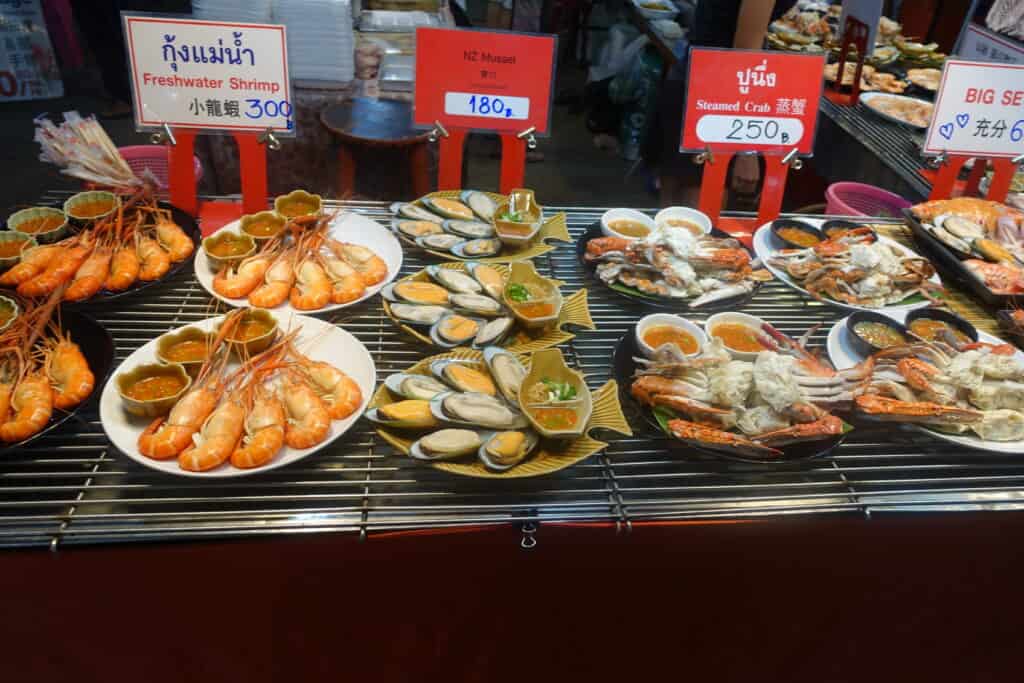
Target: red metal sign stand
[[182, 177], [452, 144], [855, 35], [945, 180], [712, 190]]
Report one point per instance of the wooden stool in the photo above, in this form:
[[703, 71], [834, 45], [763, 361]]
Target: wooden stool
[[376, 123]]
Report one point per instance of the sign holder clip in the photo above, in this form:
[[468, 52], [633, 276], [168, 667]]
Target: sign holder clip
[[439, 132], [705, 157], [792, 161], [531, 141], [268, 138], [165, 136]]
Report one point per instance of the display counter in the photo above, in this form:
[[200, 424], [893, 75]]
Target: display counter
[[71, 488]]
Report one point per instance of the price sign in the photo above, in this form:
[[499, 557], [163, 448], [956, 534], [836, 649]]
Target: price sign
[[209, 75], [868, 12], [750, 100], [483, 80], [979, 110], [980, 44], [28, 66]]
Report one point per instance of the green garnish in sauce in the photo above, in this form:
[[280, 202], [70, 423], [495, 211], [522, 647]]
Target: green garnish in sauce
[[559, 391], [518, 292], [513, 216]]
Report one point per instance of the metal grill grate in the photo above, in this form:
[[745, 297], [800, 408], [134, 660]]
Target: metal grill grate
[[71, 487]]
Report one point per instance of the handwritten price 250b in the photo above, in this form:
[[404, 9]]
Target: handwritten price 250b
[[475, 104], [749, 130]]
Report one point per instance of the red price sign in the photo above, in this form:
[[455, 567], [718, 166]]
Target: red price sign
[[750, 100], [484, 80]]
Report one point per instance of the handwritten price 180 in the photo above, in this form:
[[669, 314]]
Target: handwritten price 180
[[749, 130], [490, 106]]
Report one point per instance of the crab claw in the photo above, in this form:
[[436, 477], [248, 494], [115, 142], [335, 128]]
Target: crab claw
[[919, 411], [830, 425], [709, 437]]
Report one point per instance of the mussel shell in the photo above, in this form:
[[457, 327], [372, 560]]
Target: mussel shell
[[949, 239], [493, 332], [455, 280], [442, 242], [447, 343], [488, 459], [449, 208], [416, 213], [413, 229], [477, 248], [374, 415], [961, 227], [469, 229], [476, 410], [482, 273], [499, 363], [481, 204], [415, 314], [446, 444], [399, 384], [438, 367], [393, 293], [477, 304], [990, 250]]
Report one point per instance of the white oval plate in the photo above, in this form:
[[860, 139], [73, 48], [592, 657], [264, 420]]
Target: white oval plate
[[318, 339], [348, 227], [843, 355], [866, 98], [765, 243]]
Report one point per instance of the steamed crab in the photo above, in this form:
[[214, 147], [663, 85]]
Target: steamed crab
[[783, 397], [952, 387], [856, 269], [672, 262]]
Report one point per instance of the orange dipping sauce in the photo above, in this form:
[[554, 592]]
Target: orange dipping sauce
[[91, 209], [44, 224], [538, 309], [155, 387], [11, 248], [297, 207], [262, 228], [656, 335], [230, 246], [249, 329], [737, 337], [799, 237], [930, 330], [187, 352], [555, 418]]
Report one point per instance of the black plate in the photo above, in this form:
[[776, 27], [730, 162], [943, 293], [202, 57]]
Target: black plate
[[98, 348], [951, 263], [623, 367], [676, 305], [191, 228]]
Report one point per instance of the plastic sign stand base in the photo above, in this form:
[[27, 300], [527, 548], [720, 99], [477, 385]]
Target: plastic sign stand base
[[856, 37], [449, 171], [712, 188], [252, 160], [945, 179]]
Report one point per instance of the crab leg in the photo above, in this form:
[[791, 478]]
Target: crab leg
[[701, 435], [920, 412], [830, 425]]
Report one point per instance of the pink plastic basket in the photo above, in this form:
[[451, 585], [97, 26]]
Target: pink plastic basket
[[156, 159], [858, 199]]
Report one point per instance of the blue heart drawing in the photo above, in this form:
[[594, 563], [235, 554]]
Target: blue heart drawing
[[962, 120], [946, 131]]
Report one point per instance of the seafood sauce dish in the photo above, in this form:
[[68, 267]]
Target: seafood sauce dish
[[669, 263], [754, 410]]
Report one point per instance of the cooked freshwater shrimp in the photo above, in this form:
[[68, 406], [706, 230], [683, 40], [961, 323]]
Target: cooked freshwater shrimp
[[171, 237], [278, 281], [124, 268], [370, 267], [68, 372], [59, 271], [239, 282], [308, 418], [217, 438], [346, 284], [339, 391], [312, 288], [33, 262], [154, 261], [91, 275], [264, 430], [10, 369], [31, 406]]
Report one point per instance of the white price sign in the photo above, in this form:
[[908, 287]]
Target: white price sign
[[491, 106], [979, 110], [752, 130], [209, 75], [980, 44]]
